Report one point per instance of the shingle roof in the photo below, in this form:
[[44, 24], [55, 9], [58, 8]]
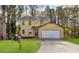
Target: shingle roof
[[35, 17], [26, 17], [43, 18]]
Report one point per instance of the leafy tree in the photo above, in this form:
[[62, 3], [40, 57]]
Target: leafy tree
[[50, 13], [33, 10], [75, 18]]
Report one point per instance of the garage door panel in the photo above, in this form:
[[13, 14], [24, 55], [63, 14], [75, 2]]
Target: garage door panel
[[50, 34]]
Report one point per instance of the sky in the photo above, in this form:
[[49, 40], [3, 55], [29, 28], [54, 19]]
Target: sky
[[54, 6]]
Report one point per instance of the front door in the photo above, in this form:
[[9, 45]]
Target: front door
[[36, 32]]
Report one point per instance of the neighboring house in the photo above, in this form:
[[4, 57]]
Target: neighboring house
[[3, 34], [29, 25]]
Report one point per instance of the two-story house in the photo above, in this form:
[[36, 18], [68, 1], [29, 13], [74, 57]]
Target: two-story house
[[29, 25]]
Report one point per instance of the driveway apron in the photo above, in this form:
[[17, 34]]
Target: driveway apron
[[58, 46]]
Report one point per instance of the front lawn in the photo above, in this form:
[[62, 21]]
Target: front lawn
[[73, 40], [11, 46]]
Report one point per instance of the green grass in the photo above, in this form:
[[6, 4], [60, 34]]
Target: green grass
[[28, 46], [73, 40]]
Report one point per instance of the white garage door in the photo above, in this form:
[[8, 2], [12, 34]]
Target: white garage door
[[50, 34]]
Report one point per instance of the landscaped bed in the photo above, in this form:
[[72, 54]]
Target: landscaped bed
[[28, 46], [72, 40]]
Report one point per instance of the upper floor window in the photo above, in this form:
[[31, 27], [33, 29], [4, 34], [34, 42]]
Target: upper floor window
[[23, 23], [29, 22], [23, 31]]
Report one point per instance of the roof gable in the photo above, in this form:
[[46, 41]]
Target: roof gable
[[55, 25]]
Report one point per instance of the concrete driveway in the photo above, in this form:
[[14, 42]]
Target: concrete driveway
[[58, 46]]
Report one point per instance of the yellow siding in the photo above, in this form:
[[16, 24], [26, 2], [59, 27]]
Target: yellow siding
[[45, 21], [28, 27], [35, 22]]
